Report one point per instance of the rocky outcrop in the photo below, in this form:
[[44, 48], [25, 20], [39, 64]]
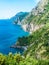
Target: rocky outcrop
[[31, 27]]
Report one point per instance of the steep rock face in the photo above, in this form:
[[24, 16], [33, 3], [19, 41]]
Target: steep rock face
[[39, 8], [37, 17], [31, 27]]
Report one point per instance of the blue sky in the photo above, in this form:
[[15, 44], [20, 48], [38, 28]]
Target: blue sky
[[9, 8]]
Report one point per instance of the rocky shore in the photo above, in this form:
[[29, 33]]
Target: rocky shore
[[19, 47]]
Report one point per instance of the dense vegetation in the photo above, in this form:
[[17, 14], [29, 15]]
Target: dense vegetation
[[37, 52], [37, 42], [17, 59]]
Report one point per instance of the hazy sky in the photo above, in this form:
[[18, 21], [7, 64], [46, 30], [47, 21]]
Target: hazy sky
[[9, 8]]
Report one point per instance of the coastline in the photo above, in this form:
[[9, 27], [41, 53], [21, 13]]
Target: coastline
[[19, 47]]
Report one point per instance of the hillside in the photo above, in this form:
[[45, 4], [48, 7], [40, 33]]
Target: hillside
[[39, 16], [19, 17], [37, 52], [38, 41]]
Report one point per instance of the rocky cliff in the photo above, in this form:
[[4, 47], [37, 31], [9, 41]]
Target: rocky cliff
[[37, 18]]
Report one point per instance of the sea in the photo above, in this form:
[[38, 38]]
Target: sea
[[9, 34]]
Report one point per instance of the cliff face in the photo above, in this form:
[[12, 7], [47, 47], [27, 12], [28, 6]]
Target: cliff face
[[37, 17], [39, 8], [31, 27]]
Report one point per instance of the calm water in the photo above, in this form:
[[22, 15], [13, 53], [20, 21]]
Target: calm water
[[9, 34]]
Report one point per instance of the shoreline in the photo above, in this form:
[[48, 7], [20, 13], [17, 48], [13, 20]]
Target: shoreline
[[19, 47]]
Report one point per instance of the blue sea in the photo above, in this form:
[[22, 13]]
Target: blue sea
[[9, 34]]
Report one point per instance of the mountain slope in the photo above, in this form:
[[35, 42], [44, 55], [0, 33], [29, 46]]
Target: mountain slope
[[19, 17], [38, 41], [38, 16]]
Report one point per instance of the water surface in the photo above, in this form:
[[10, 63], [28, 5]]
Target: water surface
[[9, 33]]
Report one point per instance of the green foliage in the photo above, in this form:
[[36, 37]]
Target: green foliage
[[37, 42], [17, 59]]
